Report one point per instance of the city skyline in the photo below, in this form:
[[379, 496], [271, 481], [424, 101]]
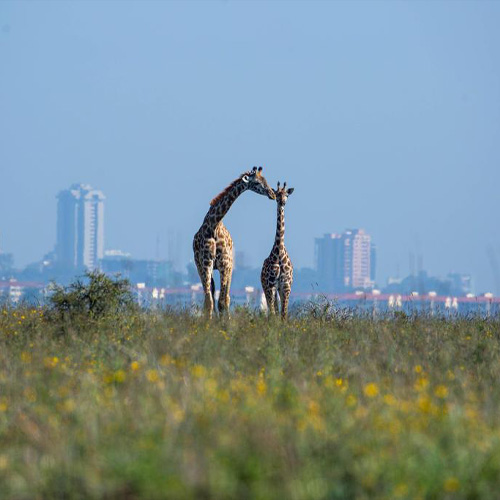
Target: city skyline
[[382, 115], [344, 262], [171, 248]]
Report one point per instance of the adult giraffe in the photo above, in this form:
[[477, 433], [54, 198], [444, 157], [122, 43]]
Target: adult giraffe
[[212, 244]]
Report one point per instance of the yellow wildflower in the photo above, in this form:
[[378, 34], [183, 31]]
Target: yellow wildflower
[[401, 490], [371, 390], [328, 381], [313, 408], [424, 404], [261, 386], [135, 366], [152, 375], [177, 413], [199, 371], [26, 357], [223, 395], [69, 405], [120, 376], [441, 391], [389, 400], [165, 360], [351, 400], [451, 484], [421, 384], [51, 362]]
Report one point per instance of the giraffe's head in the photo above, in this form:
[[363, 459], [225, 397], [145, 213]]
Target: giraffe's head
[[255, 181], [282, 194]]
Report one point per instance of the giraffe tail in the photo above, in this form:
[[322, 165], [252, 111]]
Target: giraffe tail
[[212, 291]]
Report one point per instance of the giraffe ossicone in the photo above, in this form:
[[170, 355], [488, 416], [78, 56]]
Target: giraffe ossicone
[[212, 244]]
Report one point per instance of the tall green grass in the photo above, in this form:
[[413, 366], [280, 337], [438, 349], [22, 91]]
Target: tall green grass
[[168, 405]]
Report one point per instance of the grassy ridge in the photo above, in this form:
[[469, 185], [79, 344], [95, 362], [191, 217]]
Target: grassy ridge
[[166, 405]]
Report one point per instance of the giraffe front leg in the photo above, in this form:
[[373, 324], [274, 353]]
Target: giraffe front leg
[[225, 285], [207, 289]]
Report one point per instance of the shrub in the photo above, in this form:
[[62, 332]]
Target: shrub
[[94, 296]]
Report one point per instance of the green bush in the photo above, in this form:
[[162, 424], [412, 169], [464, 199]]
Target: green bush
[[95, 296]]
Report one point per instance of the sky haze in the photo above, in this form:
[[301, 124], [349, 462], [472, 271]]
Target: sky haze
[[381, 115]]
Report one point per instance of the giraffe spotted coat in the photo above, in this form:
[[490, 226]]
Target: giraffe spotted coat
[[277, 271]]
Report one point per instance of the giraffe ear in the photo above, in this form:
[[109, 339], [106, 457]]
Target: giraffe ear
[[245, 179], [290, 191]]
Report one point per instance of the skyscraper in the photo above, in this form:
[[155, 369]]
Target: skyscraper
[[358, 257], [80, 227], [329, 257], [344, 261]]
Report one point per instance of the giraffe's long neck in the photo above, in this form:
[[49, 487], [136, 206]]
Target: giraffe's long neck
[[222, 203], [279, 240]]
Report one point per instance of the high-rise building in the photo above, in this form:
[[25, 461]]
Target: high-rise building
[[344, 261], [80, 227], [329, 257], [358, 255]]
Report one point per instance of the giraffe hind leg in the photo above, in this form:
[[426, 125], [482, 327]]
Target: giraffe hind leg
[[209, 301], [284, 297], [206, 281], [270, 294]]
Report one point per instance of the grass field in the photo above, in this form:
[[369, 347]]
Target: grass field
[[167, 405]]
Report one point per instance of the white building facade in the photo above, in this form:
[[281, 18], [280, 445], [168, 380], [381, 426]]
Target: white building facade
[[80, 227], [345, 261]]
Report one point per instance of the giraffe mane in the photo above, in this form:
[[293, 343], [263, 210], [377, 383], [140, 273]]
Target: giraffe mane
[[224, 192]]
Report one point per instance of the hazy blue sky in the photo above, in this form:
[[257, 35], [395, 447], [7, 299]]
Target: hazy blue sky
[[382, 115]]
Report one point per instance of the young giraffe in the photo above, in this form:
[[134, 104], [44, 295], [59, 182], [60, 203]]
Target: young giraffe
[[212, 244], [277, 270]]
